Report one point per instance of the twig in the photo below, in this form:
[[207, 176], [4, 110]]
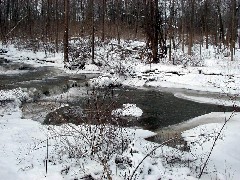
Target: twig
[[16, 25]]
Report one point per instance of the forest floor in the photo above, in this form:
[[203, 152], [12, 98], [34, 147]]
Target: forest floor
[[23, 142]]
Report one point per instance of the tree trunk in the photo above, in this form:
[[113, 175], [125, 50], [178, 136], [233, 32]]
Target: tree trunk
[[191, 33], [183, 26], [233, 28], [221, 28], [137, 20], [206, 23], [103, 19], [93, 32], [57, 26], [155, 18], [118, 21], [66, 21]]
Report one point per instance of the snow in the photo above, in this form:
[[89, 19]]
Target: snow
[[216, 73], [23, 149], [223, 101], [225, 160], [23, 141], [16, 95], [23, 152], [105, 80], [128, 110], [39, 58], [71, 95]]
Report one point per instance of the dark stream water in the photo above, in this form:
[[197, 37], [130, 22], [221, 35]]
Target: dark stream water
[[160, 109]]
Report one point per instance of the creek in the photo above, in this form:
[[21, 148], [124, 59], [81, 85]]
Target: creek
[[161, 109]]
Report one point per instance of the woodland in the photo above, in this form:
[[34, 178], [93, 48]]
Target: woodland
[[120, 89], [165, 25]]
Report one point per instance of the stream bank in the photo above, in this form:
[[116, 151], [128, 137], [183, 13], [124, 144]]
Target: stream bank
[[51, 89]]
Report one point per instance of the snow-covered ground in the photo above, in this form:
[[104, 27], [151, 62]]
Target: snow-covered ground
[[23, 141], [24, 151], [224, 162], [215, 73]]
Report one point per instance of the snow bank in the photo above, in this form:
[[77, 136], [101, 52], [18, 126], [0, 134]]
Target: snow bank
[[128, 110], [17, 95], [224, 100], [105, 80], [130, 66], [38, 58], [224, 162], [23, 152]]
